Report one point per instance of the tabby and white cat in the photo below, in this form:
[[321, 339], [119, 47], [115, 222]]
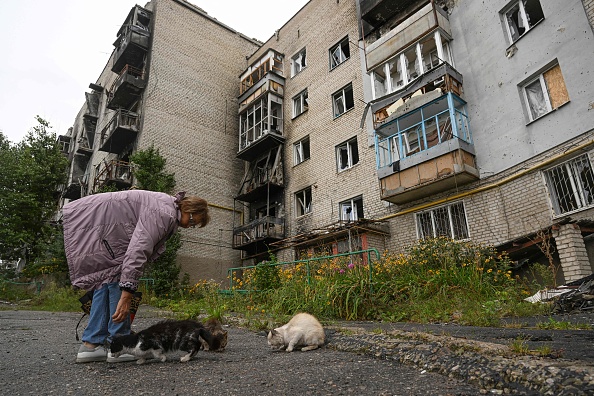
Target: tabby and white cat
[[303, 331], [166, 336]]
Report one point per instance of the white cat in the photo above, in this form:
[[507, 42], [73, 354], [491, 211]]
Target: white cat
[[303, 330]]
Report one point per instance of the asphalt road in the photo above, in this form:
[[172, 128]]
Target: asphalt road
[[39, 348]]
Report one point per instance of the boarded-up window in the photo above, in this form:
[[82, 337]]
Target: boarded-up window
[[546, 92]]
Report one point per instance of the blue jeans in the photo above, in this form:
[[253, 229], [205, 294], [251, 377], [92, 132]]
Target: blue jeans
[[101, 327]]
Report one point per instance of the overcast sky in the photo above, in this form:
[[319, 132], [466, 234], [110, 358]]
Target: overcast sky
[[50, 50]]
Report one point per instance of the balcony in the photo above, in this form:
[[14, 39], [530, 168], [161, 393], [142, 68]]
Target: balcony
[[120, 132], [260, 127], [64, 144], [425, 151], [73, 191], [272, 61], [83, 147], [133, 40], [114, 173], [126, 89], [256, 235], [263, 179], [377, 12], [421, 23]]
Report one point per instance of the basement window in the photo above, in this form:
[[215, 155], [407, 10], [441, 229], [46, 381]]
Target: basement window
[[340, 53], [298, 63], [545, 93], [303, 202], [445, 221], [571, 185], [301, 150], [351, 210], [521, 16], [343, 100], [347, 155]]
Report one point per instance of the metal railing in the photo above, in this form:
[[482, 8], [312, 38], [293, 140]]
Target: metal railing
[[366, 254]]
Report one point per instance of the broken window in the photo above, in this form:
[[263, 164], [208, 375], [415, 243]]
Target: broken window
[[545, 93], [301, 150], [300, 103], [298, 62], [446, 221], [571, 185], [339, 53], [343, 100], [347, 154], [303, 202], [521, 16], [431, 51], [352, 209]]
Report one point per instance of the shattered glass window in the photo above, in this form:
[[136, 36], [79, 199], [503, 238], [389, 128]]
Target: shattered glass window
[[522, 16]]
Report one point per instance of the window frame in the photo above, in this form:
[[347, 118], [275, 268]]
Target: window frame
[[301, 152], [575, 189], [342, 94], [300, 54], [342, 56], [559, 94], [301, 99], [303, 206], [524, 16], [434, 226], [348, 146], [354, 215]]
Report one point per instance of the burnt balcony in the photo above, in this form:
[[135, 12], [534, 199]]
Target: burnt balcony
[[131, 45], [425, 151], [83, 147], [126, 89], [377, 12], [418, 24], [260, 127], [258, 234], [72, 191], [120, 132], [114, 173], [64, 144], [272, 61]]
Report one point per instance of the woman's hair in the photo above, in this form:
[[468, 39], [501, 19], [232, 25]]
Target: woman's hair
[[196, 206]]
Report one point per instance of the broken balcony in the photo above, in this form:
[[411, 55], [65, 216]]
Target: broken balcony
[[425, 151], [272, 61], [264, 178], [126, 89], [113, 173], [133, 40], [64, 144], [421, 23], [260, 127], [120, 132], [376, 12], [258, 234]]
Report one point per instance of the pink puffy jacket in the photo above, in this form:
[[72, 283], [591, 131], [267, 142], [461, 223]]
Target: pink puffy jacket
[[109, 237]]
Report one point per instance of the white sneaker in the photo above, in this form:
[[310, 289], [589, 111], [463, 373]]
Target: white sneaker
[[122, 358], [87, 355]]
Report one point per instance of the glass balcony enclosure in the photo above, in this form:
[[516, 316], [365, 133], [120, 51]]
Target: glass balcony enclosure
[[438, 121]]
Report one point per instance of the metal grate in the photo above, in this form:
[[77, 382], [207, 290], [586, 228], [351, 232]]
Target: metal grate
[[447, 221], [571, 185]]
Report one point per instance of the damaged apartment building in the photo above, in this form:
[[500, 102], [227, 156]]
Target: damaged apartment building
[[360, 124]]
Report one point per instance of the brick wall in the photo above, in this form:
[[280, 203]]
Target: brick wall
[[190, 114]]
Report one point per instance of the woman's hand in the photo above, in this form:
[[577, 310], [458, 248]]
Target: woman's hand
[[123, 309]]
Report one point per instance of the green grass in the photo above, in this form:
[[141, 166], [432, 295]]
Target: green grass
[[437, 280]]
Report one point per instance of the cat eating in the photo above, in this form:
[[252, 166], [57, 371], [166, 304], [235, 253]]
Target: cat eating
[[215, 328], [167, 336], [303, 331]]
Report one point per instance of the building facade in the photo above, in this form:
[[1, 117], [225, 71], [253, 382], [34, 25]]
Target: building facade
[[359, 124]]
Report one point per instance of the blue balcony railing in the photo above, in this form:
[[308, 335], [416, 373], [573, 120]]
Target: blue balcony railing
[[434, 123]]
